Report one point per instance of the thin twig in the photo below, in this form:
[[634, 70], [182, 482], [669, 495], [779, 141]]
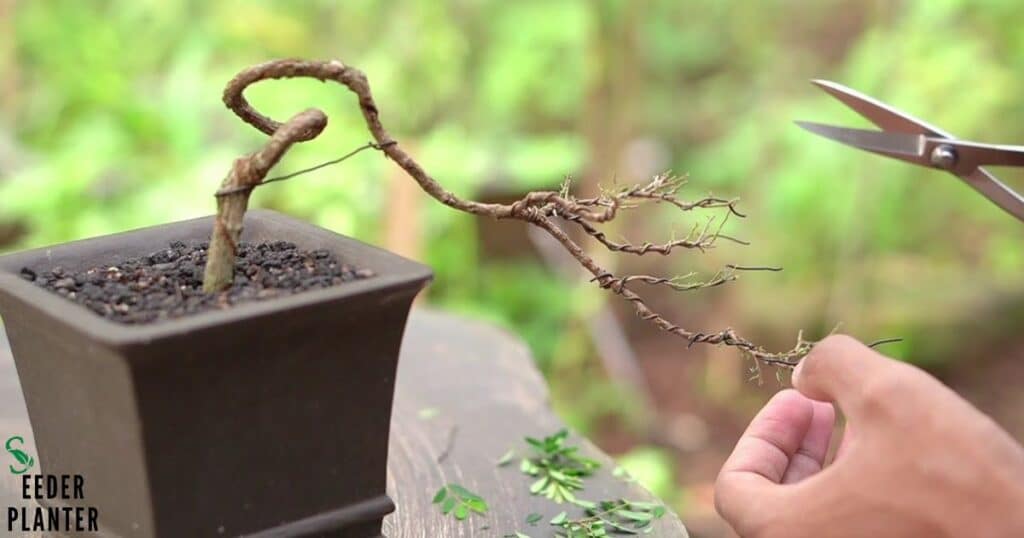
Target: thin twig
[[754, 268], [884, 341], [449, 445]]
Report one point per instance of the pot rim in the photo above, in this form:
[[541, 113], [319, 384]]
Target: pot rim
[[390, 271]]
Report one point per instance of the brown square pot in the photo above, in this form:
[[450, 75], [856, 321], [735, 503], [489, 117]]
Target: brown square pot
[[270, 417]]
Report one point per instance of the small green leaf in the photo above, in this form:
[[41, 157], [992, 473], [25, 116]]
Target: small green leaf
[[428, 413], [439, 496], [448, 505], [507, 458], [533, 519], [565, 493], [461, 512], [462, 492], [585, 504], [477, 505], [635, 516], [560, 518], [620, 528], [539, 485]]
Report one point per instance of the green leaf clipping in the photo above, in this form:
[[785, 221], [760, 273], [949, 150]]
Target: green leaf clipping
[[439, 496], [507, 458], [558, 467], [459, 502], [604, 518]]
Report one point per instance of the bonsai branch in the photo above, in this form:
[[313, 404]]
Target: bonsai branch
[[542, 209]]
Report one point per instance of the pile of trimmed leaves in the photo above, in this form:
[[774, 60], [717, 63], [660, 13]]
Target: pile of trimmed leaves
[[602, 519], [560, 468], [560, 471], [609, 517]]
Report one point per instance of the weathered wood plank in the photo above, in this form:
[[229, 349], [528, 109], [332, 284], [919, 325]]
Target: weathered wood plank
[[481, 382], [466, 393]]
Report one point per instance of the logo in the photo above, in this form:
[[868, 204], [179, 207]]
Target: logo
[[25, 462], [54, 503]]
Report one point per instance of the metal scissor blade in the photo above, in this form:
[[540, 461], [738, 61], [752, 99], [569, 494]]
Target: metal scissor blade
[[884, 116], [993, 189], [908, 147]]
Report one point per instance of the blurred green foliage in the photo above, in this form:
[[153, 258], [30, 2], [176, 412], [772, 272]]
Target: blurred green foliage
[[110, 119], [654, 469]]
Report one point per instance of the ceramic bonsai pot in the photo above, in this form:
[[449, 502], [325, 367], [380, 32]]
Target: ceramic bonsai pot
[[267, 418]]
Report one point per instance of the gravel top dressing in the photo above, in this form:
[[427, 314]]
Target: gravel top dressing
[[169, 283]]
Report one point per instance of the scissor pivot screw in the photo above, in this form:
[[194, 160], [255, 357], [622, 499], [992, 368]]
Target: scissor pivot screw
[[944, 157]]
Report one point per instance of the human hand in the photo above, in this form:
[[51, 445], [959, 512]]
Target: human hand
[[916, 459]]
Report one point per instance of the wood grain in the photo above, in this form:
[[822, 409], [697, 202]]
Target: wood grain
[[465, 390]]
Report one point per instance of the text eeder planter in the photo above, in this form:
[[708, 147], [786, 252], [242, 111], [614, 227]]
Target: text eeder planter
[[270, 417]]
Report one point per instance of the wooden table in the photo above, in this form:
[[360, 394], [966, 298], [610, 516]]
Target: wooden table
[[466, 394]]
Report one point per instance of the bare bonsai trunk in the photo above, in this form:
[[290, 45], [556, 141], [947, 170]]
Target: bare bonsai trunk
[[233, 197], [543, 209]]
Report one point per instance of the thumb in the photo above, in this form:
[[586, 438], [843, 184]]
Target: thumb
[[840, 369], [747, 488]]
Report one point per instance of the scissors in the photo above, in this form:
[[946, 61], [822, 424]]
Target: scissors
[[909, 139]]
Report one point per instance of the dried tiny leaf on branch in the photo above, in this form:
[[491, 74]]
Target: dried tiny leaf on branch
[[543, 209]]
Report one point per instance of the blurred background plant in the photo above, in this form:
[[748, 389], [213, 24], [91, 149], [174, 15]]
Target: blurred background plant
[[110, 119]]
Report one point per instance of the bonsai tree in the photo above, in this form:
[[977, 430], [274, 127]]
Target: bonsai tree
[[543, 209]]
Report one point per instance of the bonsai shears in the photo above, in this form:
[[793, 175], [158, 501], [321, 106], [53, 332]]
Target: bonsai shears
[[912, 140]]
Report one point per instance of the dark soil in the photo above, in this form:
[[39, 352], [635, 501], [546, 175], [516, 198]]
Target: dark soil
[[169, 283]]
